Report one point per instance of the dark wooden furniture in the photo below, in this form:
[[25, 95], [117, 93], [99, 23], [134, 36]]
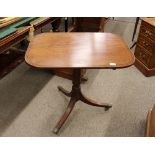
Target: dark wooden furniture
[[81, 24], [145, 48], [88, 24], [150, 128], [14, 32], [78, 51]]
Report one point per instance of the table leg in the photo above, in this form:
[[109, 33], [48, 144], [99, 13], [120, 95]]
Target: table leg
[[133, 45], [75, 95], [94, 103], [65, 115]]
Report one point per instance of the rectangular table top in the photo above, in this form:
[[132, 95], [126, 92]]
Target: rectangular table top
[[78, 50]]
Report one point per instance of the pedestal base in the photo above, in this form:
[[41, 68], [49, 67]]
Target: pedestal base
[[75, 95]]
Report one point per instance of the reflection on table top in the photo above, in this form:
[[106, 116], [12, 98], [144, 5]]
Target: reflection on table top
[[78, 50]]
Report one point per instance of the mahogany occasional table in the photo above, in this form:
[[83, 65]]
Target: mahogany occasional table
[[78, 51]]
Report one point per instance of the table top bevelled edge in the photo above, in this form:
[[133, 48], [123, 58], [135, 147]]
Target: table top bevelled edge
[[108, 36]]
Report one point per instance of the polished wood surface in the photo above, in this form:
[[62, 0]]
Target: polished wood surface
[[150, 128], [151, 21], [80, 24], [78, 50]]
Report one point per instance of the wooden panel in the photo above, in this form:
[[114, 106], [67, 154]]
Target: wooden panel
[[145, 49], [67, 73], [146, 43], [9, 60], [142, 55], [147, 30], [144, 69], [88, 24]]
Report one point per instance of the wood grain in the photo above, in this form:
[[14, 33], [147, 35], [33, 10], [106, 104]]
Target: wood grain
[[78, 50]]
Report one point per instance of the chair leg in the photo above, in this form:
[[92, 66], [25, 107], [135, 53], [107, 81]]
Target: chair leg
[[133, 45], [135, 28]]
